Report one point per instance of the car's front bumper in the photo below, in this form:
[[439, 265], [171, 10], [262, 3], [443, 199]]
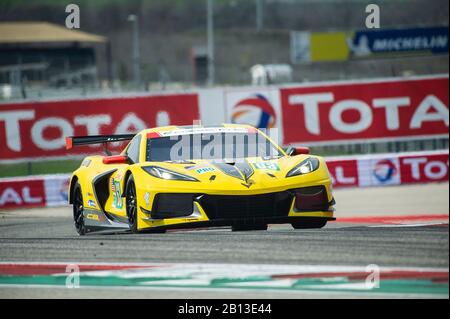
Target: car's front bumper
[[188, 209]]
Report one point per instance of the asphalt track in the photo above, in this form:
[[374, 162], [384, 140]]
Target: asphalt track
[[416, 237]]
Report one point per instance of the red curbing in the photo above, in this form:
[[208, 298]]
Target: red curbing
[[51, 269], [392, 219], [435, 276]]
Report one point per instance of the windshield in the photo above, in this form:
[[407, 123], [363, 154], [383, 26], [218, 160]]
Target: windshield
[[220, 147]]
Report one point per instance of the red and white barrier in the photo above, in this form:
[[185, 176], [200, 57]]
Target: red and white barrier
[[389, 169], [353, 171], [34, 191]]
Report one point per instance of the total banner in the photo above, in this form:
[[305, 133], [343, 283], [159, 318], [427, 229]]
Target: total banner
[[389, 169], [322, 113], [38, 129], [356, 171], [346, 112]]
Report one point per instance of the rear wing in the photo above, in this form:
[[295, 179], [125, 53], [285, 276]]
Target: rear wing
[[73, 141]]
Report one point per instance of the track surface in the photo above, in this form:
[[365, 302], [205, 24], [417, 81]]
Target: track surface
[[48, 235], [47, 239]]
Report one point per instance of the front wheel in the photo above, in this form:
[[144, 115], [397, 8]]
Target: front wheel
[[309, 224], [131, 204], [78, 210]]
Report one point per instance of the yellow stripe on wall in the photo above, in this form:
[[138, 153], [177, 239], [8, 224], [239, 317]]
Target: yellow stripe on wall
[[329, 46]]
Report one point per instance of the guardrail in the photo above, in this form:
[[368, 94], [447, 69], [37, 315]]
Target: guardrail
[[348, 171]]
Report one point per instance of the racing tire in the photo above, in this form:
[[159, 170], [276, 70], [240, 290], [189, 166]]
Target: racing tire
[[309, 224], [248, 227], [78, 210], [131, 204]]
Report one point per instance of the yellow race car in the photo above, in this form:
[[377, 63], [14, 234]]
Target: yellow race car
[[198, 176]]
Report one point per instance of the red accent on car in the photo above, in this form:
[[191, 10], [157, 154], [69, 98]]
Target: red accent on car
[[252, 130], [69, 144], [153, 135], [302, 150], [116, 159]]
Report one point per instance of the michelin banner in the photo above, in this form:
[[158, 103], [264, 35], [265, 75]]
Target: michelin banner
[[341, 46]]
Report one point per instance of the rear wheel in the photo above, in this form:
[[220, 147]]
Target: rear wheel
[[247, 227], [131, 204], [78, 208], [309, 224]]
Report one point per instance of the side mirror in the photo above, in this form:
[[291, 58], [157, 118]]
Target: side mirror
[[117, 159], [291, 151]]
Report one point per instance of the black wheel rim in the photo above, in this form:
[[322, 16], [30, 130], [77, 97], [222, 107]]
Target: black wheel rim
[[78, 212], [131, 204]]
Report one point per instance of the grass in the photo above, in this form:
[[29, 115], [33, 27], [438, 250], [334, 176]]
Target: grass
[[39, 168]]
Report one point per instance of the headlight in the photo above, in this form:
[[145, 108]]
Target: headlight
[[163, 173], [307, 166]]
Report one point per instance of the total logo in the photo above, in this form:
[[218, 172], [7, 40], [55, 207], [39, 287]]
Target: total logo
[[22, 194], [255, 110], [64, 190], [385, 171]]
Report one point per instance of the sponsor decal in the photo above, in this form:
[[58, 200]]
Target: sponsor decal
[[206, 130], [200, 169], [93, 217], [86, 162], [204, 170], [117, 194], [147, 199], [91, 203], [267, 165], [255, 110]]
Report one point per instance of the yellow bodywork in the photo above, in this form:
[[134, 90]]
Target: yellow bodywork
[[147, 186]]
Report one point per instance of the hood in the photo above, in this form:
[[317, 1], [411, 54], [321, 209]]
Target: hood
[[256, 171]]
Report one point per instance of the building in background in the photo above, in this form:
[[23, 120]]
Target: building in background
[[172, 34], [37, 55]]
